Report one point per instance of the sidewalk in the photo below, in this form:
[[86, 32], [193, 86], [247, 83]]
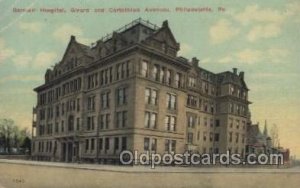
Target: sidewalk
[[157, 169]]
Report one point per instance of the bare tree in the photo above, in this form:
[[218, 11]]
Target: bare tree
[[274, 135]]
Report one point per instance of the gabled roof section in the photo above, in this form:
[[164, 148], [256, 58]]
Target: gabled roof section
[[74, 46], [164, 34]]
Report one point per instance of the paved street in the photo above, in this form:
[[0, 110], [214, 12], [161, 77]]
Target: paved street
[[32, 174]]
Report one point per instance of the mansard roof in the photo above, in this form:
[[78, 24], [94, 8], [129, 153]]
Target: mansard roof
[[233, 78]]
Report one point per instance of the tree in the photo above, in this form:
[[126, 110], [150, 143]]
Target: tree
[[27, 144], [11, 136], [274, 135], [6, 129]]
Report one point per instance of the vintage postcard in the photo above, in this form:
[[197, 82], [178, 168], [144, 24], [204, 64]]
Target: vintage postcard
[[139, 93]]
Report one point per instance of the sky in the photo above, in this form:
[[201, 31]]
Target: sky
[[259, 38]]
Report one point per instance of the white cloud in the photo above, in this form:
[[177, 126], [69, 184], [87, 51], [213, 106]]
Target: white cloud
[[44, 59], [5, 52], [40, 60], [254, 13], [272, 75], [277, 55], [205, 60], [222, 31], [249, 56], [264, 31], [267, 22], [22, 60], [34, 27], [64, 32], [21, 78], [293, 10], [184, 49], [226, 59], [252, 56]]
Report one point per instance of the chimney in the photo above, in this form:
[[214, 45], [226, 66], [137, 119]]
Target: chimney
[[73, 38], [195, 61], [165, 23], [241, 75], [234, 70]]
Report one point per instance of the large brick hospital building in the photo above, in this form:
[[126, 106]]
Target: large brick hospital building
[[131, 91]]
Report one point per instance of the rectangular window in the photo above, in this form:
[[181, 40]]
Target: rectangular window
[[171, 101], [62, 126], [146, 144], [124, 143], [92, 144], [173, 123], [144, 70], [121, 120], [211, 123], [211, 136], [147, 95], [105, 100], [173, 146], [237, 137], [167, 145], [230, 122], [87, 144], [89, 122], [153, 144], [107, 120], [150, 96], [116, 142], [192, 101], [153, 97], [77, 123], [168, 77], [150, 120], [57, 111], [190, 138], [170, 123], [122, 98], [191, 121], [217, 123], [56, 127], [147, 119], [237, 124], [78, 105], [178, 80], [217, 137], [91, 103], [106, 144], [155, 72], [119, 71], [191, 82], [104, 121], [100, 144], [170, 145]]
